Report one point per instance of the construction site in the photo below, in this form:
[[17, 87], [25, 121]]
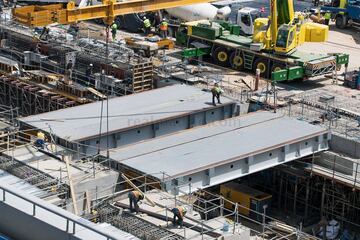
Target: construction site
[[177, 119]]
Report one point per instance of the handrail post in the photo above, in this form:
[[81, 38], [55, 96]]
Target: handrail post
[[145, 184], [264, 219], [34, 210], [236, 217], [202, 229], [74, 227], [206, 212], [67, 225], [167, 218], [3, 195], [221, 206]]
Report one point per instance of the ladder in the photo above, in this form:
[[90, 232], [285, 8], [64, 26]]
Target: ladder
[[248, 60]]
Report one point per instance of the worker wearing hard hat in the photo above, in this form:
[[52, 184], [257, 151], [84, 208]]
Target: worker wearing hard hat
[[216, 92], [134, 198], [147, 26], [327, 17], [114, 28], [40, 140], [179, 213], [163, 28], [88, 73]]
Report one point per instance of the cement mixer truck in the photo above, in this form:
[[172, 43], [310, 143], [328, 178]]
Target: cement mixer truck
[[245, 17]]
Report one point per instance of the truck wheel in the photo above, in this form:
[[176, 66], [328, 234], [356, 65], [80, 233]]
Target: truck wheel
[[236, 61], [262, 65], [340, 21], [221, 56], [277, 67]]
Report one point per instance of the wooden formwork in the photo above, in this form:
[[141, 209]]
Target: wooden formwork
[[43, 77], [74, 90], [7, 68], [142, 75]]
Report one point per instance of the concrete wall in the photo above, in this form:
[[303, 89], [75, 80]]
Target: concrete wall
[[333, 161], [19, 225], [347, 146]]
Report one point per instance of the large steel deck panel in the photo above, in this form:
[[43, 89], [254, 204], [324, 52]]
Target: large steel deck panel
[[133, 118], [223, 151]]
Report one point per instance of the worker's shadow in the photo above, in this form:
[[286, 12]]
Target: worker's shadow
[[210, 103]]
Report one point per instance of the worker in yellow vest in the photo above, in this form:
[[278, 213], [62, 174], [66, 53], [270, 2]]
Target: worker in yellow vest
[[114, 28], [134, 198], [147, 26], [163, 28], [327, 17], [216, 92], [40, 140], [179, 214]]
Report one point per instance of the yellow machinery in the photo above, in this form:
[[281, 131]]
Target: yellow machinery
[[251, 201], [285, 30], [37, 15]]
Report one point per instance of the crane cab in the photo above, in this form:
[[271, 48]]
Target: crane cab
[[246, 18], [286, 38]]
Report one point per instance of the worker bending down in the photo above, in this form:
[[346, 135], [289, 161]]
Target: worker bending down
[[163, 28], [40, 140], [134, 198], [179, 213], [147, 26], [216, 92]]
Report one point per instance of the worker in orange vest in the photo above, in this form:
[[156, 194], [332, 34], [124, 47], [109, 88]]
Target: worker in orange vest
[[179, 213], [134, 198], [163, 28]]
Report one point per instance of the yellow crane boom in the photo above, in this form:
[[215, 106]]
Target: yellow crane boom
[[37, 15]]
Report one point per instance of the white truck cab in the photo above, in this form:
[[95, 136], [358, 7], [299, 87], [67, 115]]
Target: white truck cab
[[245, 19]]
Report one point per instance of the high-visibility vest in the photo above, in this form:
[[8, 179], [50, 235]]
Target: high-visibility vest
[[327, 16], [147, 23], [163, 26], [114, 27], [182, 211], [217, 90], [136, 194]]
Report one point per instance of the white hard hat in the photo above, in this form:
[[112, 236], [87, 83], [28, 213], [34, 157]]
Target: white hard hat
[[91, 64], [144, 17]]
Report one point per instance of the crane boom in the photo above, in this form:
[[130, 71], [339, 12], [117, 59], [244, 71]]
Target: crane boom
[[56, 13]]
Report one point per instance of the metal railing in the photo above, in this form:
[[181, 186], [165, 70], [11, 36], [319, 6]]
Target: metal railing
[[69, 220]]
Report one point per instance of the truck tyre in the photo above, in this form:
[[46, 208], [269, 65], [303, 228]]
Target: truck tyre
[[236, 61], [262, 65], [221, 56], [340, 21], [276, 67]]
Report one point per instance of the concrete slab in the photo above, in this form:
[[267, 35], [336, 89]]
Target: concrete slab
[[82, 122], [225, 150]]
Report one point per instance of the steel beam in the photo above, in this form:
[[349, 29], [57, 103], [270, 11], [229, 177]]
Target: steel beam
[[108, 10]]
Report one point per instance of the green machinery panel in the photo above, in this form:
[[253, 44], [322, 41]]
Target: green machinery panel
[[279, 76], [342, 59], [295, 73], [206, 32], [195, 52], [288, 74]]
